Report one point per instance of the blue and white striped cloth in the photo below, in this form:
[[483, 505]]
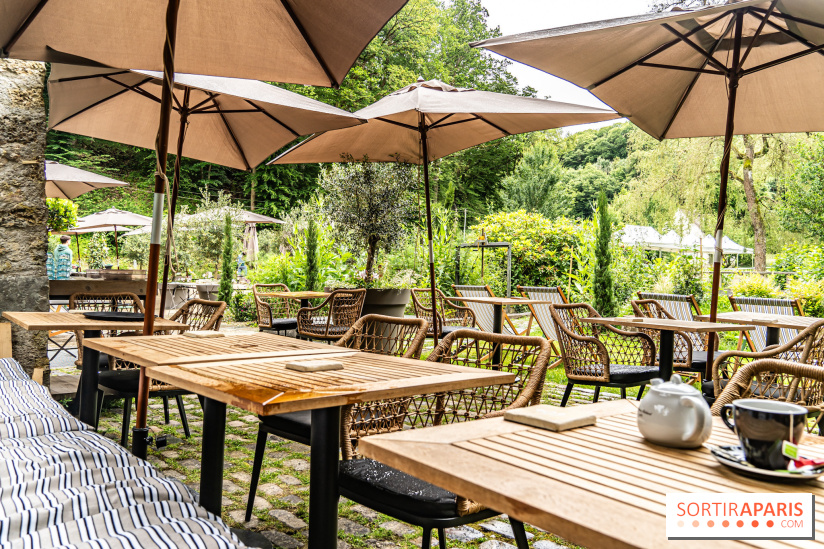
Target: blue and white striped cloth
[[63, 485]]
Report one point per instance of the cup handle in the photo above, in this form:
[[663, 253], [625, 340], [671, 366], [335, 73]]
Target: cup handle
[[726, 414]]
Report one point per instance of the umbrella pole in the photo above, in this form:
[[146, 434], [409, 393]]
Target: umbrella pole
[[722, 193], [116, 249], [140, 434], [77, 241], [422, 129], [167, 257]]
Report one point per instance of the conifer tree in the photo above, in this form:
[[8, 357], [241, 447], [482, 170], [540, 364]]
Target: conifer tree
[[602, 287], [224, 292], [311, 256]]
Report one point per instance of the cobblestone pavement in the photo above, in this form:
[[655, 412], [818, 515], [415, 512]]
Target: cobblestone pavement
[[281, 503]]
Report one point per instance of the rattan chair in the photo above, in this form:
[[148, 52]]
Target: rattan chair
[[274, 314], [540, 311], [484, 311], [124, 302], [805, 348], [757, 339], [123, 377], [451, 317], [332, 318], [600, 355], [687, 360], [402, 496], [779, 380], [377, 334]]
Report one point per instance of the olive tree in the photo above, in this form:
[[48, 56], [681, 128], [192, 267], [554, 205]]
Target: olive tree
[[370, 206]]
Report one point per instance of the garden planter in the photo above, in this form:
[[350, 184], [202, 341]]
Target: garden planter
[[387, 302]]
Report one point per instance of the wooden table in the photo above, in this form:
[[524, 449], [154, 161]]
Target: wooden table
[[264, 386], [304, 297], [600, 487], [91, 357], [668, 327], [772, 322]]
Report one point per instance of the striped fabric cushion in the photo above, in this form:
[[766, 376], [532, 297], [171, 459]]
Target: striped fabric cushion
[[63, 485]]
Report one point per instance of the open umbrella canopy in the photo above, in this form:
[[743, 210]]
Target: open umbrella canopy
[[112, 217], [668, 72], [74, 231], [67, 182], [228, 121], [454, 119], [301, 41], [245, 216]]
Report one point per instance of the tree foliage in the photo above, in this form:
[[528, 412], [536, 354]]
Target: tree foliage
[[227, 263], [802, 208], [62, 214], [311, 256], [534, 184], [602, 287]]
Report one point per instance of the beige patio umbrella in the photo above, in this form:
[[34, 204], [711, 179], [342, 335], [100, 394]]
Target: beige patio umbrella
[[229, 121], [304, 42], [746, 67], [68, 182], [111, 220], [428, 120]]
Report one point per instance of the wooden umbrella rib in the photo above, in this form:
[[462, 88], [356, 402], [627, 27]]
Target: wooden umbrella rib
[[23, 28], [660, 49], [401, 124], [497, 127], [89, 107], [788, 17], [436, 122], [692, 84], [680, 68], [89, 76], [231, 132], [306, 38], [813, 48], [273, 118], [758, 31], [685, 39], [476, 117], [782, 60], [136, 88]]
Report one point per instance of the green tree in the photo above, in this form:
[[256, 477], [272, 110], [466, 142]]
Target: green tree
[[311, 256], [62, 214], [227, 263], [602, 287], [802, 209], [532, 186]]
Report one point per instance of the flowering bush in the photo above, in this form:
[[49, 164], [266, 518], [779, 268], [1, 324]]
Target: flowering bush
[[242, 307], [754, 285]]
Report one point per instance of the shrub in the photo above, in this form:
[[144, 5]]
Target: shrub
[[227, 263], [811, 293], [542, 249], [685, 274], [754, 285], [806, 260], [242, 307], [311, 257], [602, 287], [62, 214], [97, 252]]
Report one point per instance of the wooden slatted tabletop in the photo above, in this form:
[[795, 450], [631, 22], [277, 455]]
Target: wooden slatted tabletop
[[667, 324], [601, 486], [179, 349], [76, 321], [264, 385], [765, 319]]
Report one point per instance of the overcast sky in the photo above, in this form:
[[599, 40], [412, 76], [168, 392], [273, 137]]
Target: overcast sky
[[514, 16]]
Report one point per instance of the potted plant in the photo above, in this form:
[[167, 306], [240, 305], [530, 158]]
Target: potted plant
[[371, 206]]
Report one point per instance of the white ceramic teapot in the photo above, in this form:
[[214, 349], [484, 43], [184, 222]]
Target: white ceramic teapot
[[674, 414]]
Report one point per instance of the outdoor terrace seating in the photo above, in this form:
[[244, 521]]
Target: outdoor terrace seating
[[600, 355], [541, 313], [332, 318], [757, 339], [416, 501], [484, 311], [123, 377], [274, 314], [451, 317], [114, 302], [685, 356]]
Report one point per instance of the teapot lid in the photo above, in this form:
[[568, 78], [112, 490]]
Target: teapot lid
[[672, 387]]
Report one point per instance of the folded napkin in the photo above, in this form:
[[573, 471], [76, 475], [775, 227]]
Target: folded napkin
[[552, 418]]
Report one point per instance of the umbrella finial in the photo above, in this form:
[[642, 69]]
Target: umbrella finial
[[420, 79]]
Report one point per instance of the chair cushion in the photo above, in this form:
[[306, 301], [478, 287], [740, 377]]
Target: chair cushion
[[283, 324], [446, 330], [367, 480], [699, 360], [622, 373], [297, 424], [122, 381]]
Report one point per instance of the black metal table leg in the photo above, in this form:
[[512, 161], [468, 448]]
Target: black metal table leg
[[498, 328], [773, 336], [323, 478], [211, 460], [88, 385], [665, 354], [304, 303]]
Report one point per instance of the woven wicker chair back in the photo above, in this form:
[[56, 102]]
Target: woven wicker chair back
[[123, 302], [269, 307], [332, 318], [386, 335], [682, 307], [541, 310], [484, 312], [779, 380], [768, 305], [527, 357], [201, 314], [682, 355], [449, 314]]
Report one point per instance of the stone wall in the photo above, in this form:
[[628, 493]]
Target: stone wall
[[24, 285]]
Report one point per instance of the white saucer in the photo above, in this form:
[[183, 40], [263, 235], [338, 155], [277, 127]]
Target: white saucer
[[733, 457]]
